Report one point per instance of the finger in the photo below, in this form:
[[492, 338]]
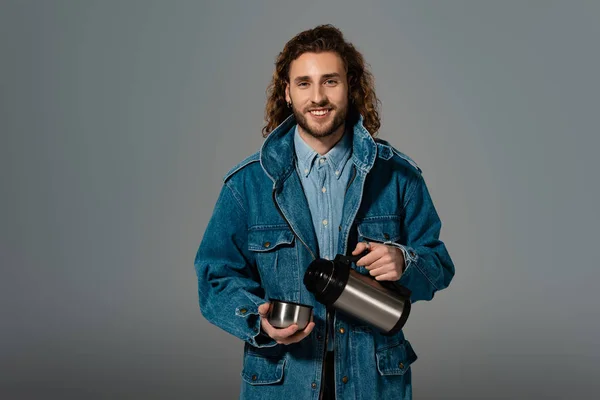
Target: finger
[[360, 247], [380, 271], [309, 328], [298, 336], [390, 276], [284, 333], [304, 332], [375, 254], [263, 309], [267, 327], [378, 263], [277, 333]]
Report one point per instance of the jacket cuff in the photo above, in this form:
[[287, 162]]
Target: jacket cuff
[[257, 337], [410, 256]]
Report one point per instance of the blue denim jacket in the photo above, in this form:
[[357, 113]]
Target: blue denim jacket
[[260, 240]]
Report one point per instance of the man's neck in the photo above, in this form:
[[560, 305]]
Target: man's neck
[[322, 145]]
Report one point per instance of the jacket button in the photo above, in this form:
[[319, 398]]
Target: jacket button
[[386, 236], [254, 377], [267, 244], [313, 385], [243, 311], [342, 330], [319, 337], [345, 379], [401, 366]]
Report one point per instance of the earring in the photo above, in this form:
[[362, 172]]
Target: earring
[[289, 105]]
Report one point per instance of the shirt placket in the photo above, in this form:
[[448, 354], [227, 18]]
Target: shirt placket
[[324, 207]]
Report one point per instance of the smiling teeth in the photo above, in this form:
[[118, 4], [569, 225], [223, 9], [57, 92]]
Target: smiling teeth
[[321, 112]]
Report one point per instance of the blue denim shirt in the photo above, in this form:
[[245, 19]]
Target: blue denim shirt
[[324, 179], [260, 239]]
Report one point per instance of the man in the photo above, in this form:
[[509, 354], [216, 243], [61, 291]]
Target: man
[[320, 185]]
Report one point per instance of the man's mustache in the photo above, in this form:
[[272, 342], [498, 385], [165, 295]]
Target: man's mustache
[[320, 105]]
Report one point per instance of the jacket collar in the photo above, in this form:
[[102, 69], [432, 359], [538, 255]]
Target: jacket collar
[[277, 151]]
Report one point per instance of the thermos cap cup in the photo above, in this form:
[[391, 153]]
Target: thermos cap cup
[[285, 313]]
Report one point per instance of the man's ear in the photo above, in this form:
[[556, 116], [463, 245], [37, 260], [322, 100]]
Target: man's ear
[[288, 99]]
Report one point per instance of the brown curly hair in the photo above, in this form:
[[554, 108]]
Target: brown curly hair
[[362, 99]]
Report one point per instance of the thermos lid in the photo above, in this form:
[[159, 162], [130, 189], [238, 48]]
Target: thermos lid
[[327, 279]]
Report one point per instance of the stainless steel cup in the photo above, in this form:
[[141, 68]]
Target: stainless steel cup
[[285, 313]]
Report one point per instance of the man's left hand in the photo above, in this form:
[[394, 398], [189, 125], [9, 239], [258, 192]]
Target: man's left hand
[[384, 262]]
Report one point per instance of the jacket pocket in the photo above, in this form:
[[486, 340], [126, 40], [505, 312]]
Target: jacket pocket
[[266, 239], [260, 370], [276, 258], [396, 359], [379, 229]]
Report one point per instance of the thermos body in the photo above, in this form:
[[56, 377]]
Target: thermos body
[[383, 305], [365, 300]]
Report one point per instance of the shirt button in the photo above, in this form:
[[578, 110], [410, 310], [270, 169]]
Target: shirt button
[[319, 337], [306, 171], [323, 190], [341, 330], [313, 385], [322, 160], [325, 222], [345, 379], [337, 172]]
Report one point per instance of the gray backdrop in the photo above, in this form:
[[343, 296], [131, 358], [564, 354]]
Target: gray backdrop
[[119, 119]]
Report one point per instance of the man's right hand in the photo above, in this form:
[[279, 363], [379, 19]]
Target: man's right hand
[[287, 335]]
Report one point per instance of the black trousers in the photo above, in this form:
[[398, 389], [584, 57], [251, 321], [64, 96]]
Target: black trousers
[[329, 378]]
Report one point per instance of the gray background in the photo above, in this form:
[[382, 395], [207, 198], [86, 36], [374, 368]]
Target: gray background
[[119, 119]]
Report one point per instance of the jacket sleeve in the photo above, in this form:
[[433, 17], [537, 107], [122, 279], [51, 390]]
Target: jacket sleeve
[[229, 288], [429, 267]]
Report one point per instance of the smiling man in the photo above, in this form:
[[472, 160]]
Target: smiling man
[[322, 184]]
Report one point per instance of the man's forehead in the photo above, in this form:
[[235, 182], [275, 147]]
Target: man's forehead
[[317, 64]]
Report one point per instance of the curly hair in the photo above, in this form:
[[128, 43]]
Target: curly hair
[[361, 100]]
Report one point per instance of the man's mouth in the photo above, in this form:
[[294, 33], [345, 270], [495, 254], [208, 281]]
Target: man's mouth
[[320, 112]]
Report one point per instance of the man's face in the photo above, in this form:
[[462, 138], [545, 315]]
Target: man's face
[[318, 91]]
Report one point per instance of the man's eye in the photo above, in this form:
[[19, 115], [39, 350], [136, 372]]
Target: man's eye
[[331, 82], [303, 84]]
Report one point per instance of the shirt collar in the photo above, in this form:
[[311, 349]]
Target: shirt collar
[[304, 153], [337, 156], [277, 154]]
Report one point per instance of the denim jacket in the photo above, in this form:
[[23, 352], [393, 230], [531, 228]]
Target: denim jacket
[[260, 240]]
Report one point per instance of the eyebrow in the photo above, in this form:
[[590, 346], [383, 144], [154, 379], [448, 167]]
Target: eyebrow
[[325, 76]]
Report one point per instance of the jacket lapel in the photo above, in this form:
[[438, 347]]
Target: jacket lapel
[[292, 202], [277, 160]]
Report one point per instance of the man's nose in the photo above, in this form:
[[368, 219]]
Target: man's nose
[[318, 95]]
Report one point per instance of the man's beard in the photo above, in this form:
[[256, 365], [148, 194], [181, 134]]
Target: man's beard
[[323, 130]]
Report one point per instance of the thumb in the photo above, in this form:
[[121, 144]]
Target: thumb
[[263, 309]]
